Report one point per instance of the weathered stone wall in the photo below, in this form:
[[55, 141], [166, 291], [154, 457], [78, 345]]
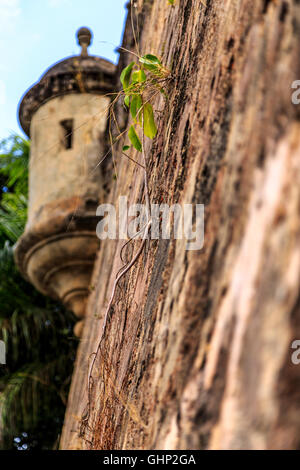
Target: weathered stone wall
[[197, 350]]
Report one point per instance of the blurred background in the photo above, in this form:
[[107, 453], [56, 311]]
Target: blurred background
[[34, 35], [35, 380]]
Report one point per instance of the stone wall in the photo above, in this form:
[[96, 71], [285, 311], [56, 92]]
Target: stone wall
[[197, 352]]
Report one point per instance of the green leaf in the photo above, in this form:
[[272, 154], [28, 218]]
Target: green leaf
[[125, 148], [127, 101], [134, 139], [125, 75], [139, 76], [151, 62], [150, 59], [150, 129], [171, 2], [136, 105]]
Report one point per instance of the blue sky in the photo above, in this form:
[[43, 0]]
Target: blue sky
[[34, 34]]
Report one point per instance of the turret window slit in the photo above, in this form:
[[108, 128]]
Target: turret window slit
[[67, 133]]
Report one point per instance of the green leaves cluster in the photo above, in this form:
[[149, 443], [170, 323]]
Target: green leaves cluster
[[14, 157], [137, 79]]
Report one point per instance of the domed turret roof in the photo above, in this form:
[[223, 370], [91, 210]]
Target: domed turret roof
[[75, 74]]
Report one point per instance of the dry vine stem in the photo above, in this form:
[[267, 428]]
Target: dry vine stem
[[123, 270], [160, 76], [145, 236]]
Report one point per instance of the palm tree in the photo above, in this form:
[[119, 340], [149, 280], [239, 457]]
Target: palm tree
[[37, 331]]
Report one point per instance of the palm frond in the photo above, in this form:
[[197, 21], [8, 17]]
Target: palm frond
[[14, 157], [13, 215]]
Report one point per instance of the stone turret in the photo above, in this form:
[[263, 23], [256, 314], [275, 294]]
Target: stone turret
[[65, 115]]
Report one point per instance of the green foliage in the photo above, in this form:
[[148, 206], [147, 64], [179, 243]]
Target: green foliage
[[138, 76], [152, 63], [36, 330], [134, 139], [125, 76], [150, 128], [13, 214], [136, 106], [14, 157], [138, 81]]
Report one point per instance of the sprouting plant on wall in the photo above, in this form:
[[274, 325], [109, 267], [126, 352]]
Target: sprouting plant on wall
[[142, 81], [140, 84]]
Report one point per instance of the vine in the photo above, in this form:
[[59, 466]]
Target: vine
[[141, 82], [135, 84]]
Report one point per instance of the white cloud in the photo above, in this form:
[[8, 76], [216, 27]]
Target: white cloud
[[2, 93], [9, 9], [9, 12]]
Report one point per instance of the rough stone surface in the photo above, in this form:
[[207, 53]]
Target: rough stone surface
[[197, 353]]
